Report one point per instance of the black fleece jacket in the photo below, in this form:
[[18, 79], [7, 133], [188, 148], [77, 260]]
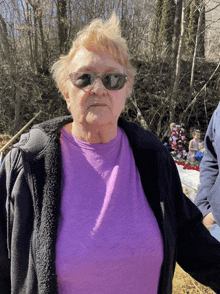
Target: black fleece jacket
[[30, 197]]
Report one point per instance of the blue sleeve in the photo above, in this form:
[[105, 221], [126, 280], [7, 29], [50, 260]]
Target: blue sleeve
[[209, 168], [199, 155]]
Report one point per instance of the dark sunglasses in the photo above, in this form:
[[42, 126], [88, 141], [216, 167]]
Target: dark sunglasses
[[111, 81]]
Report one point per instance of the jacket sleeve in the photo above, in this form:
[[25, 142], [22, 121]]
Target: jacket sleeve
[[198, 253], [209, 168], [5, 287]]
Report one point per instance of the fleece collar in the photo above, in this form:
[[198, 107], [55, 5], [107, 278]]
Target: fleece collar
[[35, 143]]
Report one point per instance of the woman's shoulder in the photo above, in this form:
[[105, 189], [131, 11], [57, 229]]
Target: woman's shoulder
[[140, 136], [144, 144], [39, 136]]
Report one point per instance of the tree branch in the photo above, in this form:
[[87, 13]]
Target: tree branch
[[195, 98]]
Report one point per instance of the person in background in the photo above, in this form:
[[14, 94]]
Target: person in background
[[208, 196], [172, 126], [91, 203], [166, 137], [193, 145], [200, 153]]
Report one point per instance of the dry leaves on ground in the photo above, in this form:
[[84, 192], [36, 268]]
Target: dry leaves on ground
[[183, 283]]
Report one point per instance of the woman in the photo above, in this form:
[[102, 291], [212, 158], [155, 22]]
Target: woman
[[93, 203]]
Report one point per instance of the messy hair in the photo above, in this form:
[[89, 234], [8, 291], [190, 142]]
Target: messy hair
[[98, 37]]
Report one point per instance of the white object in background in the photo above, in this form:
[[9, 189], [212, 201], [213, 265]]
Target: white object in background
[[190, 181]]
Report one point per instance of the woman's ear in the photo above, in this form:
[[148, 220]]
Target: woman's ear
[[67, 98]]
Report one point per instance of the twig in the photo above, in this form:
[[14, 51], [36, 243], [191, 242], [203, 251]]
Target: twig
[[194, 99], [20, 132]]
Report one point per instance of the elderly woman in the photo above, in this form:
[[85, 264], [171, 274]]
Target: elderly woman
[[91, 203]]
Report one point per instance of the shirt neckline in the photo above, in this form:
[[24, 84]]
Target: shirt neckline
[[92, 146]]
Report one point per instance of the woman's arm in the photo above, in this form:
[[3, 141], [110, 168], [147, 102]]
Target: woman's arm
[[209, 170]]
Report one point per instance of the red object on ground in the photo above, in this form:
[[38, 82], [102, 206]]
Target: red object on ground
[[187, 166]]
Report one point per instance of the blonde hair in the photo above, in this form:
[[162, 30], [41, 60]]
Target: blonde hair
[[98, 37], [172, 125]]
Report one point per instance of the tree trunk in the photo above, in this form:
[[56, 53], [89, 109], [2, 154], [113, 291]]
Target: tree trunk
[[44, 65], [35, 49], [27, 17], [17, 121], [176, 33], [30, 39], [140, 117], [198, 33], [6, 48], [62, 20], [178, 65]]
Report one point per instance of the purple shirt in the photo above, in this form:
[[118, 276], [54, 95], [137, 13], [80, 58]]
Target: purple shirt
[[108, 238]]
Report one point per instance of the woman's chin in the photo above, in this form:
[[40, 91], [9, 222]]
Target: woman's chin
[[99, 119]]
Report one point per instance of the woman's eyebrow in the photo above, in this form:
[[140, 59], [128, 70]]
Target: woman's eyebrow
[[112, 69], [92, 68]]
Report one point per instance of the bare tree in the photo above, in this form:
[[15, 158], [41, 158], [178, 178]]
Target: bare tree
[[198, 33], [62, 24], [7, 52], [173, 97], [176, 31]]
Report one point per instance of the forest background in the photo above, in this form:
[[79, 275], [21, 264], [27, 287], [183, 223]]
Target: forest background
[[173, 45]]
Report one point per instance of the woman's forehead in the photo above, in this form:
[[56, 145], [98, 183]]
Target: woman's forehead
[[85, 59]]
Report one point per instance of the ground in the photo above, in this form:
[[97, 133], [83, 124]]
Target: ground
[[183, 283]]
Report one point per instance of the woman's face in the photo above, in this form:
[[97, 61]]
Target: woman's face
[[94, 105]]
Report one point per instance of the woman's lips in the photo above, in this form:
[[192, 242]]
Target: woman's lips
[[99, 104]]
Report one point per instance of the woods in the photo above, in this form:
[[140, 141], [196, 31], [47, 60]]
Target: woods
[[168, 41]]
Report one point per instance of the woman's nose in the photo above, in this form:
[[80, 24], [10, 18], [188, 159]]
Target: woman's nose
[[98, 88]]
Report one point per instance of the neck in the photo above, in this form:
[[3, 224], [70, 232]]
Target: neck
[[93, 134]]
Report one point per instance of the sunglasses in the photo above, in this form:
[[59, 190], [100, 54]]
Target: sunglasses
[[111, 81]]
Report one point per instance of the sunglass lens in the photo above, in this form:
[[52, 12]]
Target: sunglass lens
[[114, 81], [83, 80]]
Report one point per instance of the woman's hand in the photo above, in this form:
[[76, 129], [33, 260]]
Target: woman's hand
[[208, 220]]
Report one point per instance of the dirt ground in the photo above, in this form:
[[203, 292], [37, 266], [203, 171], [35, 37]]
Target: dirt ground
[[183, 283]]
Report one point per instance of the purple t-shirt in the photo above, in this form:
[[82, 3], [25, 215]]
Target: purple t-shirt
[[108, 237]]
